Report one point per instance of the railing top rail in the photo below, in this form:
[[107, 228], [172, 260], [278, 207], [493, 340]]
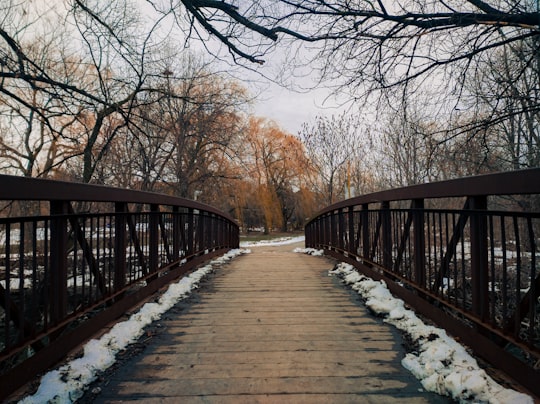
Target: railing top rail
[[503, 183], [38, 189]]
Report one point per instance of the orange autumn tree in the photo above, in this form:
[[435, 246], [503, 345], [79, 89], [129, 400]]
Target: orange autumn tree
[[276, 162]]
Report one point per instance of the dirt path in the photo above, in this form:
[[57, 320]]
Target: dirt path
[[270, 327]]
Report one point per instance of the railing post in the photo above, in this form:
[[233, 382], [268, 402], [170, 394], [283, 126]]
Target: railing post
[[316, 237], [386, 234], [153, 248], [333, 230], [419, 242], [308, 230], [120, 222], [365, 232], [325, 230], [236, 235], [352, 242], [341, 230], [58, 261], [215, 229], [214, 240], [176, 238], [190, 235], [320, 231], [219, 232], [232, 234], [479, 257], [201, 231], [223, 230]]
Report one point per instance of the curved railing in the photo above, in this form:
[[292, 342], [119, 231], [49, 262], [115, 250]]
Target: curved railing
[[73, 257], [463, 252]]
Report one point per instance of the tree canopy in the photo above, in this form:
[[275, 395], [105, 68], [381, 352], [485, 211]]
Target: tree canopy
[[85, 84], [372, 38]]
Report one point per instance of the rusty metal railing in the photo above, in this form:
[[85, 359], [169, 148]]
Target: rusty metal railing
[[74, 257], [463, 252]]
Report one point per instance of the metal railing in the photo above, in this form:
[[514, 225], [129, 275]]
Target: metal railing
[[463, 252], [96, 252]]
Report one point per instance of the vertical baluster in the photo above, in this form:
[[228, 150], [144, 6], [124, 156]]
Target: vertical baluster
[[419, 242], [532, 293], [7, 289], [517, 293], [366, 243], [120, 240], [190, 231], [479, 258], [58, 261], [153, 241], [386, 219], [351, 247]]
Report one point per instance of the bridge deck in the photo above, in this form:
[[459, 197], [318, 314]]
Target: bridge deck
[[272, 326]]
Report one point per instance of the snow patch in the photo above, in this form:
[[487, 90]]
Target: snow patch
[[310, 251]]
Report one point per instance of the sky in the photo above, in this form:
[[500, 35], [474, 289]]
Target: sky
[[441, 364], [298, 97], [288, 108], [291, 109]]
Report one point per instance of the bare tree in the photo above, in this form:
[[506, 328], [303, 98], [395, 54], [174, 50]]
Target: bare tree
[[331, 145], [89, 71], [384, 42], [379, 43], [379, 25], [504, 96], [200, 126]]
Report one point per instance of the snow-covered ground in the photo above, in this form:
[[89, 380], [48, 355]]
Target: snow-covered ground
[[441, 364], [67, 383], [275, 242]]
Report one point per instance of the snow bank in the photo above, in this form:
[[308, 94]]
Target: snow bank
[[309, 251], [273, 242], [441, 364], [67, 383]]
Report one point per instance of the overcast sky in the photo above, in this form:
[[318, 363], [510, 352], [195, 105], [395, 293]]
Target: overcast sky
[[298, 100], [291, 109]]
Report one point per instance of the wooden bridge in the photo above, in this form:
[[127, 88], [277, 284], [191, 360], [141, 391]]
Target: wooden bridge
[[271, 326]]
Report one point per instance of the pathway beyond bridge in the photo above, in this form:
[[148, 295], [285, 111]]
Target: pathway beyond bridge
[[270, 327]]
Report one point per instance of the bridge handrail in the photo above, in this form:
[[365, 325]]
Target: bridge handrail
[[65, 274], [518, 182], [475, 270], [36, 189]]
